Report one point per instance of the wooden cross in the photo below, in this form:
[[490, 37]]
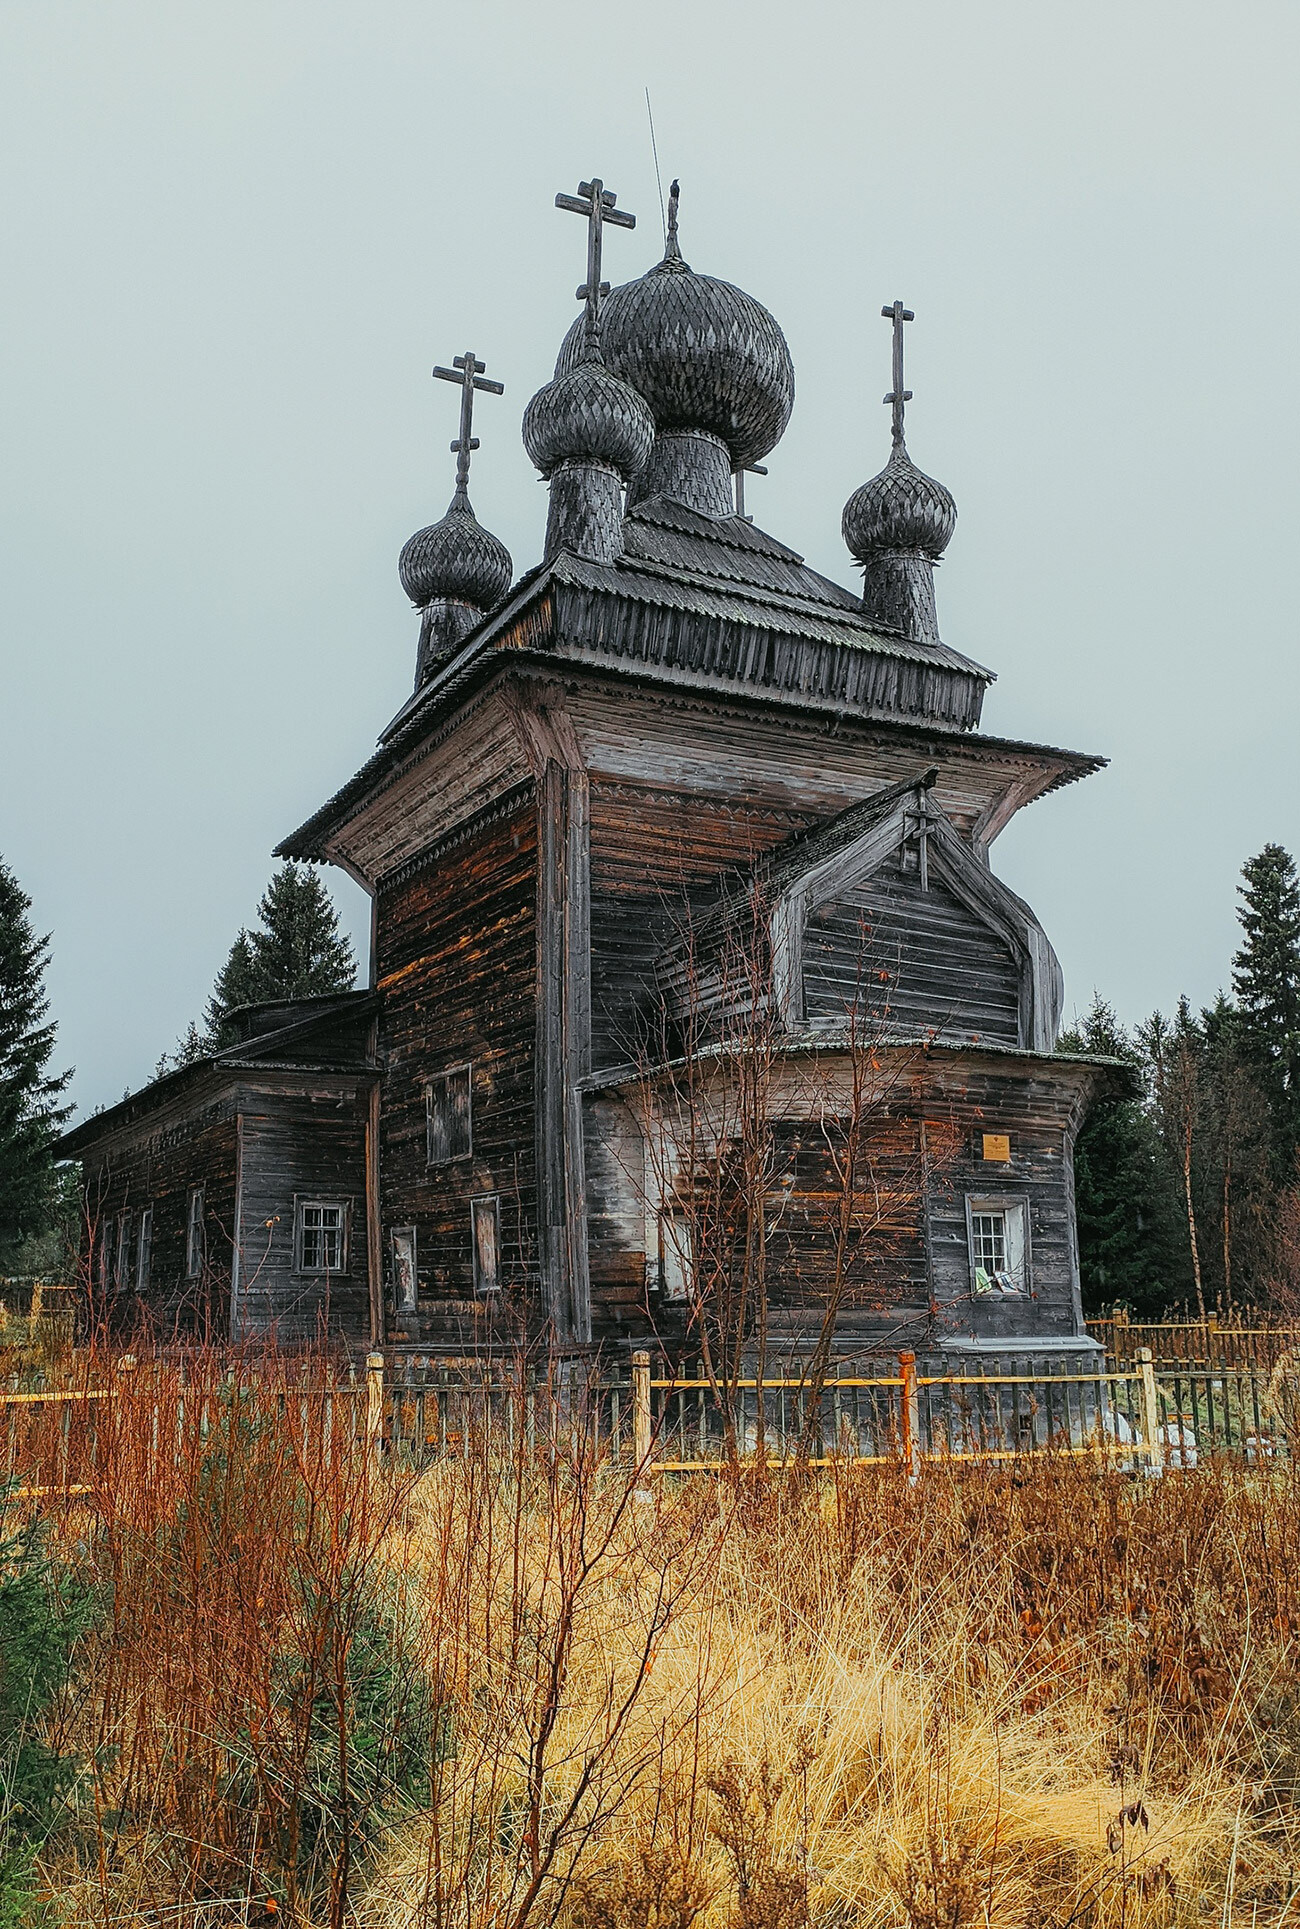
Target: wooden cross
[[595, 201], [468, 372], [898, 394], [916, 832]]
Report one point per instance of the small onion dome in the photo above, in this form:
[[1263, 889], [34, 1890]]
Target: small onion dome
[[901, 508], [587, 414], [704, 355], [456, 559]]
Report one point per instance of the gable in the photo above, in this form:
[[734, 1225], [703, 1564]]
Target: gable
[[912, 960]]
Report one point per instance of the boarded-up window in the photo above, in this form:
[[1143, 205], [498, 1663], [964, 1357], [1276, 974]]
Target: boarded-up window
[[144, 1250], [406, 1289], [320, 1244], [485, 1224], [449, 1114], [676, 1262], [194, 1241]]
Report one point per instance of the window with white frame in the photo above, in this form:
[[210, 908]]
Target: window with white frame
[[676, 1259], [485, 1239], [194, 1239], [449, 1121], [320, 1236], [406, 1287], [144, 1250], [999, 1246]]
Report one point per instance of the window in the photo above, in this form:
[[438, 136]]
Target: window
[[999, 1247], [485, 1224], [406, 1289], [143, 1250], [194, 1239], [676, 1259], [320, 1236], [449, 1126], [122, 1260]]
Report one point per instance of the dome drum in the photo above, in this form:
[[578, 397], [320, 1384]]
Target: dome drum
[[689, 466], [586, 511], [444, 626]]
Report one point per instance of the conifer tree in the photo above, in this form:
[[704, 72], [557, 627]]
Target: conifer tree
[[296, 950], [29, 1110], [1266, 980], [1129, 1250]]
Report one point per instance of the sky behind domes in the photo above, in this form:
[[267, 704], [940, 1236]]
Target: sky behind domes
[[236, 240]]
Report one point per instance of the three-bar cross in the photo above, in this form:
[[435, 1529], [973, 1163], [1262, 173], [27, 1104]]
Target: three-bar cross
[[595, 201], [468, 372], [898, 394]]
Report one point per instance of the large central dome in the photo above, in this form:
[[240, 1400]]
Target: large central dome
[[704, 354]]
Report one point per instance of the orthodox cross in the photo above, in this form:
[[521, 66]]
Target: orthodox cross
[[595, 201], [672, 247], [917, 825], [898, 394], [469, 374]]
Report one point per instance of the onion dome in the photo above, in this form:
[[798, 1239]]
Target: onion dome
[[455, 560], [704, 354], [901, 508], [588, 415]]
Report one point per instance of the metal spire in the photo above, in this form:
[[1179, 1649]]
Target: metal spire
[[898, 395], [595, 201], [468, 373]]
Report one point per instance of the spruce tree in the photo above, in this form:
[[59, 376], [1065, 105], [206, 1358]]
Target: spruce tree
[[1266, 980], [1129, 1251], [296, 950], [29, 1110]]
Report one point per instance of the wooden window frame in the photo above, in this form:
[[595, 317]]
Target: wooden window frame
[[431, 1083], [1006, 1203], [196, 1240], [676, 1258], [144, 1250], [481, 1204], [312, 1201], [403, 1303]]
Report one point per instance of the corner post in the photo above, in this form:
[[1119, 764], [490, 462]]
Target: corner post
[[910, 1416], [1150, 1411], [374, 1406], [641, 1429]]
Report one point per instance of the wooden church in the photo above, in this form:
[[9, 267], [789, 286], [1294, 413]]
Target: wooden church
[[679, 860]]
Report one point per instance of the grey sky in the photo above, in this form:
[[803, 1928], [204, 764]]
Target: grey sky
[[236, 238]]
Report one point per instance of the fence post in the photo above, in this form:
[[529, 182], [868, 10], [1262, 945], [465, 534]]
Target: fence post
[[641, 1406], [374, 1404], [1150, 1411], [910, 1415]]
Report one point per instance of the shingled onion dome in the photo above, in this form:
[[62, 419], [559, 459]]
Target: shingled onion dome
[[455, 571], [898, 526], [589, 434], [713, 365]]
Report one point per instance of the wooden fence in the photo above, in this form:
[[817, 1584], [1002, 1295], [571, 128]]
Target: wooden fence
[[1202, 1343], [412, 1413]]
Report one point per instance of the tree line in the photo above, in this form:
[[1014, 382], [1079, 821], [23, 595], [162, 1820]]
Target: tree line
[[1187, 1183]]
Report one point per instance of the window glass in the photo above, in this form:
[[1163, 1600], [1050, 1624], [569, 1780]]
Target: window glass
[[144, 1250], [320, 1236], [194, 1234], [485, 1221], [675, 1257], [122, 1263], [406, 1289], [449, 1116], [998, 1246]]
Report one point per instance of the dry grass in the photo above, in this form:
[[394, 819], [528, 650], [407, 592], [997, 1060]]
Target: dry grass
[[1018, 1697]]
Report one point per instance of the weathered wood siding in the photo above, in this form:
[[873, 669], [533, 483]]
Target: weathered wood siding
[[655, 855], [300, 1143], [157, 1168], [915, 960], [457, 967]]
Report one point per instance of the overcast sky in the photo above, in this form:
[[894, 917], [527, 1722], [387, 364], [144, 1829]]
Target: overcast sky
[[235, 239]]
